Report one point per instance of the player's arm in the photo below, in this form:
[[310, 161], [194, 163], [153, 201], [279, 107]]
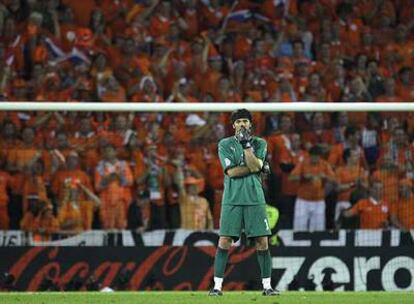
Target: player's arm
[[239, 171], [253, 163], [230, 167], [254, 160]]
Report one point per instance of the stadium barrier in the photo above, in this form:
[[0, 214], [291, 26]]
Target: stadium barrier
[[180, 260]]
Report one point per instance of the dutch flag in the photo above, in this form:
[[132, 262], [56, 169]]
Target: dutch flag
[[240, 16]]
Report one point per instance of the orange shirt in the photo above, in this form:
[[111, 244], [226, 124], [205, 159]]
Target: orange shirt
[[212, 17], [70, 212], [61, 176], [117, 190], [208, 81], [403, 49], [313, 190], [33, 185], [114, 96], [336, 156], [80, 142], [87, 209], [404, 211], [287, 156], [406, 92], [191, 17], [49, 224], [318, 137], [390, 181], [276, 143], [384, 98], [242, 47], [21, 156], [195, 213], [346, 175], [373, 215], [159, 26], [5, 182], [28, 222], [357, 118], [215, 174]]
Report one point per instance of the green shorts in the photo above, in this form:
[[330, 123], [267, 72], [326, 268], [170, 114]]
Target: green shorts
[[250, 219]]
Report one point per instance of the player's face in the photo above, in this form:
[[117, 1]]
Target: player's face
[[241, 123]]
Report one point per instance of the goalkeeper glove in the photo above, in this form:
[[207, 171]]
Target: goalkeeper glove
[[266, 167], [244, 137]]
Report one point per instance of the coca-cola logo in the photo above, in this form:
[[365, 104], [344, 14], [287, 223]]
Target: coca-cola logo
[[160, 268]]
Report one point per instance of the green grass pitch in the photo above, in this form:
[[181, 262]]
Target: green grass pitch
[[202, 298]]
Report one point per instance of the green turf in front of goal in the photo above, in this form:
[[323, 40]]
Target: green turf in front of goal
[[202, 298]]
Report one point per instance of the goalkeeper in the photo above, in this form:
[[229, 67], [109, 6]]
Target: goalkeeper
[[243, 208]]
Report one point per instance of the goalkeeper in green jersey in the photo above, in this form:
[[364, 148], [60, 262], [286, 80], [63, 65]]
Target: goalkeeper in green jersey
[[243, 207]]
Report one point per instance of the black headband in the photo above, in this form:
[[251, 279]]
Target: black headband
[[240, 114]]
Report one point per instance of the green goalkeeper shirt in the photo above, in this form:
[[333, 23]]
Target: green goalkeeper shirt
[[246, 190]]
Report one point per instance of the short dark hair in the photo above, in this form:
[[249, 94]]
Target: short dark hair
[[241, 113]]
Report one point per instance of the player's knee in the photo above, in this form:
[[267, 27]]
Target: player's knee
[[225, 242], [262, 243]]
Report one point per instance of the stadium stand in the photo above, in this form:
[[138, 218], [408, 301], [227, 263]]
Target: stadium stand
[[105, 171]]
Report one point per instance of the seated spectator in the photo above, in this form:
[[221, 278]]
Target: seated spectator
[[373, 211]]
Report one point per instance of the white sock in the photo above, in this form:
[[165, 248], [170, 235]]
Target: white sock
[[218, 282], [266, 283]]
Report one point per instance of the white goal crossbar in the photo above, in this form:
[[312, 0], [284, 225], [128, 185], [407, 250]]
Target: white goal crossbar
[[208, 107]]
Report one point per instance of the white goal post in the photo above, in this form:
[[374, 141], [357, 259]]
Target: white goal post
[[208, 107]]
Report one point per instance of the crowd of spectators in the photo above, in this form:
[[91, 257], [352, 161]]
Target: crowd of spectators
[[76, 171], [208, 50]]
